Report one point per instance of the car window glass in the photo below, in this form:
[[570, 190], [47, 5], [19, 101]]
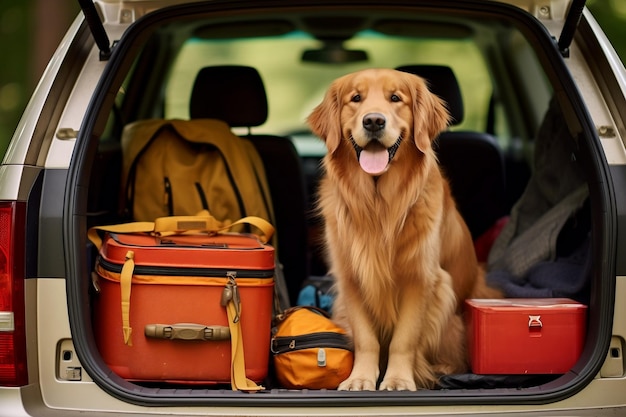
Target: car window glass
[[295, 87]]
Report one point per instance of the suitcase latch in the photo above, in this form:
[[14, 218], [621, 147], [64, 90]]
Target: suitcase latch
[[535, 321], [534, 325], [231, 294]]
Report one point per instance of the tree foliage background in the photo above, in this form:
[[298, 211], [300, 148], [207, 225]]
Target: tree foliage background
[[30, 31]]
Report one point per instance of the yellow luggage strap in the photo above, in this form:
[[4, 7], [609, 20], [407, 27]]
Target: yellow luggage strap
[[172, 225], [232, 303], [126, 278]]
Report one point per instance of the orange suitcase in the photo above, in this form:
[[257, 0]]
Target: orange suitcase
[[177, 327]]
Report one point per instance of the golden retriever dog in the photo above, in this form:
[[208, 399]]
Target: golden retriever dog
[[400, 252]]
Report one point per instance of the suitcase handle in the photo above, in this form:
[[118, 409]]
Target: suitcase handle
[[187, 331], [204, 222], [167, 226]]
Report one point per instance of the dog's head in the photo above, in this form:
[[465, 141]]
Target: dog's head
[[375, 111]]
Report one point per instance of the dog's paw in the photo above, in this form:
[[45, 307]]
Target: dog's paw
[[358, 384], [397, 384]]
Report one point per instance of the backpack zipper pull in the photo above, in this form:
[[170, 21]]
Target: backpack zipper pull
[[321, 357]]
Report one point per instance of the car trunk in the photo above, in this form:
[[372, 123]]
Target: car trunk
[[96, 166]]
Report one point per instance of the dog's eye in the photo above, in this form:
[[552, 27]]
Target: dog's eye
[[356, 98], [395, 98]]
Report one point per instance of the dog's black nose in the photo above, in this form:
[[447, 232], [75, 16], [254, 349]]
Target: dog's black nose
[[374, 122]]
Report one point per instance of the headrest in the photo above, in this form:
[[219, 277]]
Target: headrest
[[442, 82], [231, 93]]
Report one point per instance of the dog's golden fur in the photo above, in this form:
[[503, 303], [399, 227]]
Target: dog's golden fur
[[401, 254]]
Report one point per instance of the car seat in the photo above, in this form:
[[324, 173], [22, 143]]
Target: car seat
[[236, 95], [472, 161]]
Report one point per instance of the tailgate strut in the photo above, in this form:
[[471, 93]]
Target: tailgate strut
[[569, 28], [96, 27]]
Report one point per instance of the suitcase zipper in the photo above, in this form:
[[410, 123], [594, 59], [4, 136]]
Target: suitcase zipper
[[173, 271], [284, 344]]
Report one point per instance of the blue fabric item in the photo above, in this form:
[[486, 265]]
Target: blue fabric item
[[317, 292], [566, 276]]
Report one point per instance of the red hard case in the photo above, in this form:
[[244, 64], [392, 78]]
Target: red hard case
[[180, 280], [525, 336]]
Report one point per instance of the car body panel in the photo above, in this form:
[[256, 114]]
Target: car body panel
[[21, 144], [59, 388]]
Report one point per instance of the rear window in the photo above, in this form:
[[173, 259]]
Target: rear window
[[295, 86]]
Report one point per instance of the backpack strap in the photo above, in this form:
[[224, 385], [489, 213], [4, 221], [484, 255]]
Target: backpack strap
[[260, 177]]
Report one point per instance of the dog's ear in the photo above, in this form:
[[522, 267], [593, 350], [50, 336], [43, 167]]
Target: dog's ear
[[430, 116], [325, 121]]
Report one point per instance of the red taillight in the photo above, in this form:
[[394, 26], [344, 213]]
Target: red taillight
[[13, 370]]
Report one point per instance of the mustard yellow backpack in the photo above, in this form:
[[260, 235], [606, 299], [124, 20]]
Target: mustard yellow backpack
[[181, 167]]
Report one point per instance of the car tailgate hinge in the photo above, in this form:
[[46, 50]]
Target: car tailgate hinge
[[97, 28], [572, 19]]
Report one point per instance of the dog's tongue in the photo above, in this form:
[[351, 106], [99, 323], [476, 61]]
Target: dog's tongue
[[374, 159]]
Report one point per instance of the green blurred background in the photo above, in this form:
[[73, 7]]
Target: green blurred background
[[30, 31]]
